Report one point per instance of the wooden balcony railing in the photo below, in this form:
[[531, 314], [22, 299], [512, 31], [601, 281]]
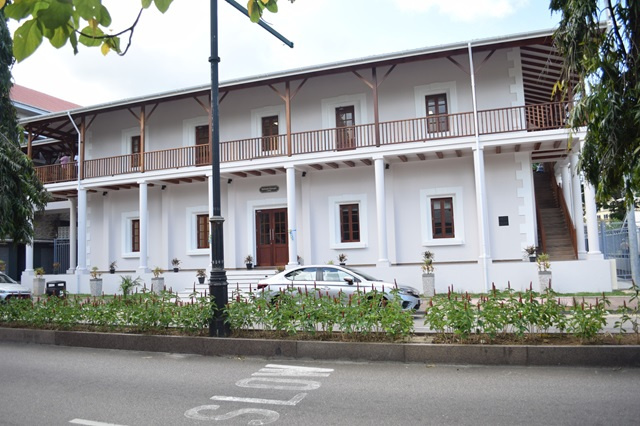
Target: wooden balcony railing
[[501, 120], [57, 172]]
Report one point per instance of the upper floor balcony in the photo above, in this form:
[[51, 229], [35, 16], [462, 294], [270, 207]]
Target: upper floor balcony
[[527, 118]]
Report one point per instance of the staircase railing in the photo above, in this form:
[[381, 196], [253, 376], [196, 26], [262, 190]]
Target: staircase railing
[[565, 211], [543, 234]]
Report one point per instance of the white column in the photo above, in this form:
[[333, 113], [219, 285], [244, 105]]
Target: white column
[[82, 232], [144, 228], [578, 219], [481, 208], [383, 257], [592, 221], [165, 229], [291, 216], [73, 235], [28, 258], [210, 204], [481, 192], [232, 243], [566, 187]]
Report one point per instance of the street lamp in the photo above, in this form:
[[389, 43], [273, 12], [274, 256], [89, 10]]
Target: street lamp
[[218, 327]]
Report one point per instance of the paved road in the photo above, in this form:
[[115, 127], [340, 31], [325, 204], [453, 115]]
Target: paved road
[[49, 385]]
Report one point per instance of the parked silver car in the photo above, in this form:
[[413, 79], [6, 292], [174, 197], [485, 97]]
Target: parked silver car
[[335, 279], [10, 289]]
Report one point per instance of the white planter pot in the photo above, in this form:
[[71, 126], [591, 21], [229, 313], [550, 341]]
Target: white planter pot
[[95, 287], [38, 286], [544, 279], [429, 285], [158, 284]]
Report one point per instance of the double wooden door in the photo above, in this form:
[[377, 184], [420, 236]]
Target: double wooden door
[[272, 248]]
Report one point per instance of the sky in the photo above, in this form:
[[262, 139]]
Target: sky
[[170, 51]]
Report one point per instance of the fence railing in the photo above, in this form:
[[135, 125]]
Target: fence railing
[[614, 244], [422, 129]]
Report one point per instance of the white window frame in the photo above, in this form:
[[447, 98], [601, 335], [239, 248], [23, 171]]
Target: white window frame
[[192, 230], [258, 113], [127, 218], [426, 195], [329, 105], [189, 129], [448, 88], [127, 134], [334, 221]]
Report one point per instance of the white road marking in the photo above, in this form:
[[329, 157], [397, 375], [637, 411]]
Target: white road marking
[[293, 401], [91, 423], [284, 384], [293, 371], [269, 416]]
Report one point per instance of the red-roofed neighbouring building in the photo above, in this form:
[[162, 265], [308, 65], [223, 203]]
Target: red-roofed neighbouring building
[[30, 102]]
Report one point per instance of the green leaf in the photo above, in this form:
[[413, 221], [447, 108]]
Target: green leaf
[[91, 32], [115, 44], [60, 36], [55, 15], [163, 5], [26, 39], [93, 9], [73, 39], [105, 17], [272, 6], [19, 9], [146, 3], [254, 10]]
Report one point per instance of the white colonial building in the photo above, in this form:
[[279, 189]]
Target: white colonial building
[[378, 158]]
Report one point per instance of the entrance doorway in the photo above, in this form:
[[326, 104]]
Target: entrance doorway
[[345, 130], [202, 146], [271, 237]]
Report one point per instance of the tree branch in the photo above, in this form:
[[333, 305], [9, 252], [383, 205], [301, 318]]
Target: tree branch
[[112, 36], [616, 30]]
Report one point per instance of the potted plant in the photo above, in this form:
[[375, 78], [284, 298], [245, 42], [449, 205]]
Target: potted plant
[[3, 265], [157, 282], [112, 267], [95, 283], [544, 273], [56, 267], [201, 274], [38, 281], [342, 258], [175, 262], [428, 277], [127, 283], [530, 252], [248, 261]]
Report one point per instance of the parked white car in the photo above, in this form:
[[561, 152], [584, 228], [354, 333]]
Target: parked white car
[[9, 289], [335, 279]]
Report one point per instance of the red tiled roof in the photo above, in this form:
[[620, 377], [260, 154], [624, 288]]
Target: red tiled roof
[[39, 100]]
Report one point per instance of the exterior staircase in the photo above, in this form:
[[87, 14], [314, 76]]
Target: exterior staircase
[[238, 279], [557, 235]]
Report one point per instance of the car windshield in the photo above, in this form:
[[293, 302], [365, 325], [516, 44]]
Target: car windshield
[[5, 279], [363, 275]]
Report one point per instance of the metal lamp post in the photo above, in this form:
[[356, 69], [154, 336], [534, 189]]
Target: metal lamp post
[[218, 326]]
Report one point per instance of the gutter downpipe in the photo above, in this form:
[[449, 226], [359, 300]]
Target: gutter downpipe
[[82, 212], [481, 203]]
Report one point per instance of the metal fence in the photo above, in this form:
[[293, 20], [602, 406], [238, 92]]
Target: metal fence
[[614, 243], [61, 252]]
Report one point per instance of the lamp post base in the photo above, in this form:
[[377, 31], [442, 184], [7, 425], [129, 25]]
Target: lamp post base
[[218, 326]]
